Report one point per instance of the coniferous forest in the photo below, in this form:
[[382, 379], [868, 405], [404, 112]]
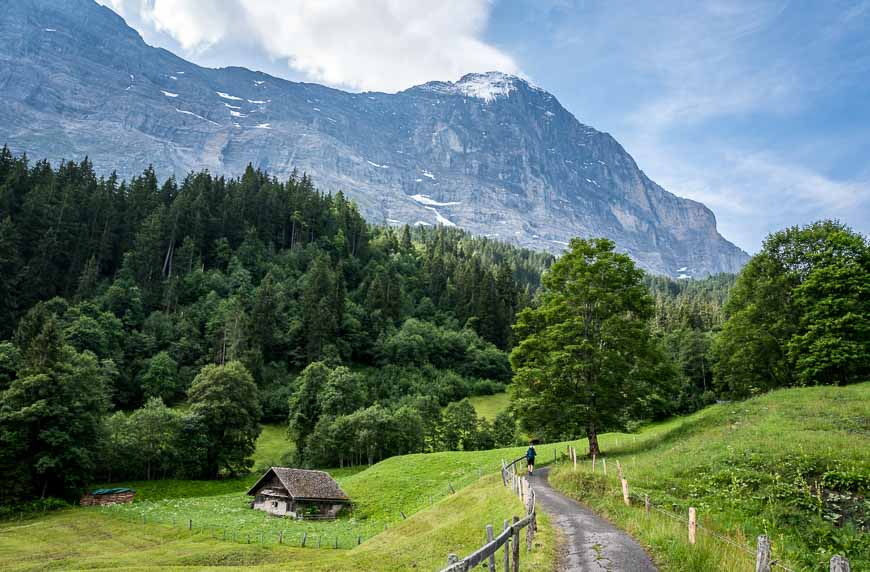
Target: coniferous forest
[[160, 322], [148, 328]]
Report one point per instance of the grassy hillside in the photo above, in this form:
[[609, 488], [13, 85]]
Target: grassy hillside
[[438, 522], [272, 447], [381, 494], [488, 406], [792, 464], [86, 538]]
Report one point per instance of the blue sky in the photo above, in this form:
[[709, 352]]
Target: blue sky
[[761, 110]]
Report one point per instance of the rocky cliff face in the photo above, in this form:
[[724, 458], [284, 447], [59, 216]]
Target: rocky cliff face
[[489, 153]]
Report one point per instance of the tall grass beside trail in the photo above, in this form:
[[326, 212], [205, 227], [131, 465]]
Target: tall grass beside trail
[[792, 464], [80, 539]]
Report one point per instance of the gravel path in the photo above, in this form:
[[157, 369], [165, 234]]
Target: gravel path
[[592, 544]]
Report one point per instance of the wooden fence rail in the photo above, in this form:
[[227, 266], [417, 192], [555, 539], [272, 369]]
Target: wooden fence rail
[[510, 536], [764, 561]]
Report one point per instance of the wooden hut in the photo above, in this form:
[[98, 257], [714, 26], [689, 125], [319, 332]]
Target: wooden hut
[[298, 493], [107, 497]]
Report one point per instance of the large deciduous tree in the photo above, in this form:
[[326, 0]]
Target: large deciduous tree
[[586, 361], [799, 313], [225, 399]]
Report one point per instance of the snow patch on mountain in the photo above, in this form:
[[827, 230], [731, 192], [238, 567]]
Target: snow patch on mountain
[[195, 115], [426, 200], [228, 96], [440, 218]]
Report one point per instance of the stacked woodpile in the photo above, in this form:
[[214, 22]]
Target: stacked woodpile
[[107, 497]]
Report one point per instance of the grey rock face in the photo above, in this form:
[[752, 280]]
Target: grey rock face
[[489, 153]]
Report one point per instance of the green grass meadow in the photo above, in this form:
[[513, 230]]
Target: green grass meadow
[[488, 406], [273, 447], [381, 495], [793, 464], [86, 539], [153, 531]]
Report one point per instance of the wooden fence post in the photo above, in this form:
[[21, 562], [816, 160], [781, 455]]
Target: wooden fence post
[[593, 462], [840, 564], [619, 470], [646, 503], [189, 524], [530, 533], [604, 464], [692, 524], [574, 457], [489, 538], [507, 549], [762, 555], [515, 545], [625, 493], [281, 537]]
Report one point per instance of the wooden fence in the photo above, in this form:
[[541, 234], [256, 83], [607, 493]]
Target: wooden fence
[[509, 538], [764, 561]]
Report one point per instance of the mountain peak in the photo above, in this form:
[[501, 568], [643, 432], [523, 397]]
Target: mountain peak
[[488, 152], [487, 86]]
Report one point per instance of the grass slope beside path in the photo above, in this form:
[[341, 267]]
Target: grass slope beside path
[[792, 464], [88, 538]]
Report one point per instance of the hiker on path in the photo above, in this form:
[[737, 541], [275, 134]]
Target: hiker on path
[[530, 457]]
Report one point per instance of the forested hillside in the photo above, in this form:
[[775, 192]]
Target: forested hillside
[[148, 328], [117, 295]]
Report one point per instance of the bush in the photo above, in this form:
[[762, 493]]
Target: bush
[[25, 509], [486, 387]]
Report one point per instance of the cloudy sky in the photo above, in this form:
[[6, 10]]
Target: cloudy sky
[[761, 110]]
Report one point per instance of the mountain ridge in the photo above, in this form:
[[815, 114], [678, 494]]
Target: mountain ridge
[[490, 152]]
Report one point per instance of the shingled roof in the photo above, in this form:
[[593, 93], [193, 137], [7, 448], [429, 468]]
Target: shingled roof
[[303, 484]]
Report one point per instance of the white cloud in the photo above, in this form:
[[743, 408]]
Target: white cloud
[[384, 45], [753, 194]]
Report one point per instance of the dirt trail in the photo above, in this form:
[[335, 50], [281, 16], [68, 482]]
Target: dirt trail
[[591, 543]]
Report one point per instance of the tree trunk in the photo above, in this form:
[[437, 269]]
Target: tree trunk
[[592, 435]]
